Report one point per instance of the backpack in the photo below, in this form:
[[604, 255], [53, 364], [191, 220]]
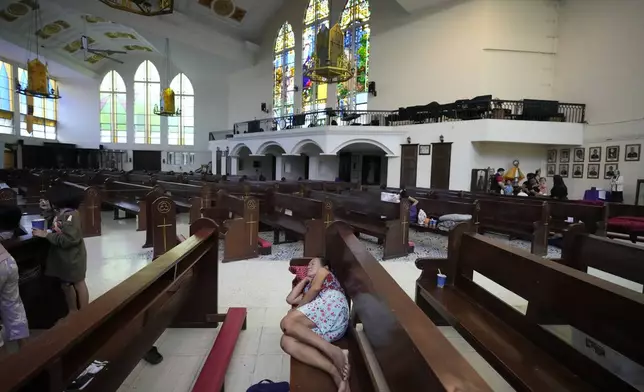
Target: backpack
[[269, 386]]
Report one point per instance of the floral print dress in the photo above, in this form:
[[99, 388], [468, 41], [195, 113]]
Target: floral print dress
[[329, 310], [12, 311]]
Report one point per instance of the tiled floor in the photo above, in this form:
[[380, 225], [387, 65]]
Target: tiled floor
[[260, 285]]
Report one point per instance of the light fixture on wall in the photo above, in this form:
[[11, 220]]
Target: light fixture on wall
[[441, 138], [408, 139]]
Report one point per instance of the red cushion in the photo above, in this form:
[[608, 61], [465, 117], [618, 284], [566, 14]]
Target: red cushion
[[299, 271], [624, 223], [632, 218], [263, 243]]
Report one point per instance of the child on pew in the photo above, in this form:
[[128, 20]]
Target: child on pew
[[508, 189], [67, 257], [12, 310], [321, 317]]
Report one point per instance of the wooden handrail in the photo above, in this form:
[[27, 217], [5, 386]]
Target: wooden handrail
[[99, 319]]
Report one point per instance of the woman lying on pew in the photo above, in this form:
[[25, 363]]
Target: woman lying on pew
[[321, 317], [67, 257], [12, 311]]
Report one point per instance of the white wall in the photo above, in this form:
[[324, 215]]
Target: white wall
[[500, 155], [295, 166], [599, 63], [459, 50], [328, 168]]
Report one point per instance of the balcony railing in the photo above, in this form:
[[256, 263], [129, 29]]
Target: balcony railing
[[462, 110]]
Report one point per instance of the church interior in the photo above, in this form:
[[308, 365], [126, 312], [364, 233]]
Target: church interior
[[321, 195]]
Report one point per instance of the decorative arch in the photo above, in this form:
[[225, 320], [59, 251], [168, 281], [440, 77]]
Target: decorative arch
[[262, 149], [237, 149], [354, 21], [363, 141], [284, 71], [147, 91], [181, 129], [314, 95], [113, 98], [300, 145]]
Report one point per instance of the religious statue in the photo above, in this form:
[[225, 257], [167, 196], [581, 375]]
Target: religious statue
[[514, 174]]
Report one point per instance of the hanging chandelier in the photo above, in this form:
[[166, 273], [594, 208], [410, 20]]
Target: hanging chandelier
[[167, 107], [37, 73], [329, 63], [142, 7]]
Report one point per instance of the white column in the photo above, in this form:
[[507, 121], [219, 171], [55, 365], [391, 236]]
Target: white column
[[223, 163], [279, 167], [233, 164], [393, 171], [314, 162]]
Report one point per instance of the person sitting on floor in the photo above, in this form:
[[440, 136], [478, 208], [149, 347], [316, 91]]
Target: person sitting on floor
[[413, 205], [321, 317], [12, 310]]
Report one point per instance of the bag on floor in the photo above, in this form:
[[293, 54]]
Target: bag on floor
[[269, 386]]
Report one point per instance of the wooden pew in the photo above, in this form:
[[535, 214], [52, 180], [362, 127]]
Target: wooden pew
[[90, 208], [239, 221], [179, 289], [389, 222], [581, 250], [522, 220], [189, 197], [41, 295], [163, 219], [307, 218], [392, 345], [530, 349], [140, 178]]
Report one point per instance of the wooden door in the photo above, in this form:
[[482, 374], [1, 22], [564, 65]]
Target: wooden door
[[441, 160], [408, 165]]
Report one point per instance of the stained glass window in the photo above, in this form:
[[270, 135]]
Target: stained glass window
[[181, 129], [147, 93], [354, 21], [113, 109], [6, 98], [284, 72], [44, 112], [317, 15]]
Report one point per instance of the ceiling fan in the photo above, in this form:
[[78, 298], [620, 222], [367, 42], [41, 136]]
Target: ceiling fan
[[104, 53]]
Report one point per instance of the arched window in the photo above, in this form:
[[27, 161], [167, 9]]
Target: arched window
[[354, 21], [317, 15], [113, 109], [181, 129], [6, 98], [44, 114], [147, 92], [284, 71]]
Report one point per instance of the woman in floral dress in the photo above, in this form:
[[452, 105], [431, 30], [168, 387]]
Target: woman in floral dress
[[321, 317]]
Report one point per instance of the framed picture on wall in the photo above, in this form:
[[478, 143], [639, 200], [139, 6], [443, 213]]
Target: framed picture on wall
[[593, 170], [579, 155], [577, 170], [552, 156], [550, 170], [633, 152], [609, 170], [424, 149], [612, 154], [563, 170], [565, 155], [595, 154]]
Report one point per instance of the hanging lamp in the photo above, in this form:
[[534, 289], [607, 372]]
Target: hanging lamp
[[167, 107], [329, 63], [142, 7], [37, 73]]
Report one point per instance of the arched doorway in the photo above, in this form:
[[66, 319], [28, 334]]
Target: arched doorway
[[362, 162], [313, 164], [272, 162]]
